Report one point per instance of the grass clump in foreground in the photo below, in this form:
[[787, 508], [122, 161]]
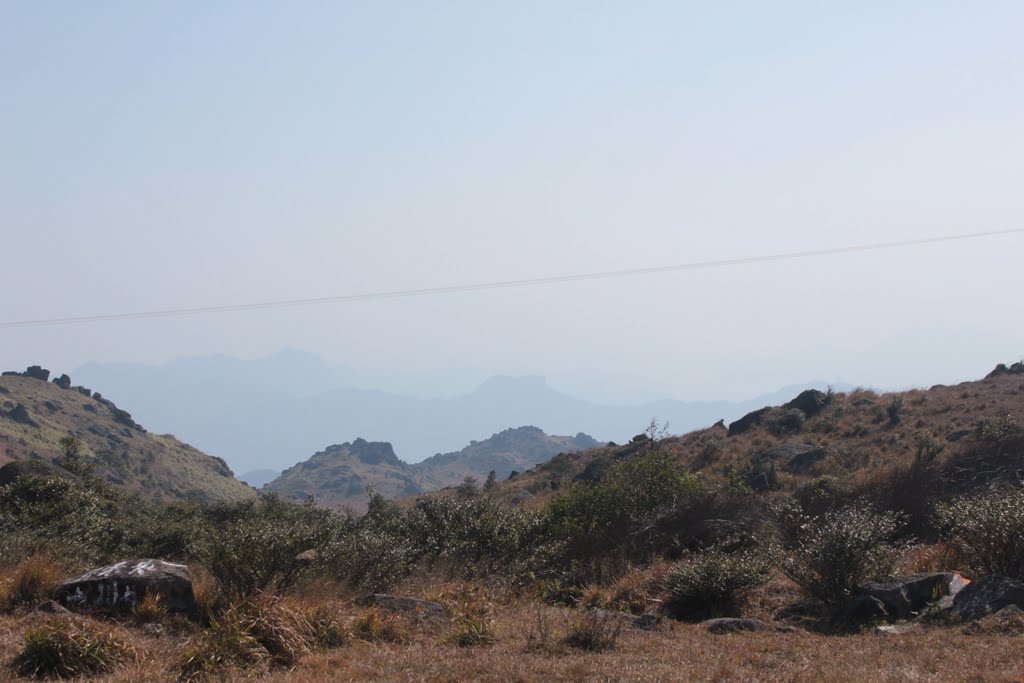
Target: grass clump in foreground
[[258, 634], [31, 582], [64, 648], [371, 625], [593, 631]]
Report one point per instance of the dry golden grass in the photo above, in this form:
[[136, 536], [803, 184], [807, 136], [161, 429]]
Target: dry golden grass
[[674, 653]]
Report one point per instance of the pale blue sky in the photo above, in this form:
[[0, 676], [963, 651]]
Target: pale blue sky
[[187, 154]]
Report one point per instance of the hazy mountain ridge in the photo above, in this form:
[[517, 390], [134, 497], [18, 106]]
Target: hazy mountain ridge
[[341, 474], [37, 413], [236, 409]]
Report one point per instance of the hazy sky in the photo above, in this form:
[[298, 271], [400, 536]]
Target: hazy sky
[[166, 155]]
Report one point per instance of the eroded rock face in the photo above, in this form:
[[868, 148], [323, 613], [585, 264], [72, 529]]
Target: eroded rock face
[[37, 372], [123, 586], [748, 421]]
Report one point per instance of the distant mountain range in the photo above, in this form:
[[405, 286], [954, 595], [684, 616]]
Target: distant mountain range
[[341, 474], [271, 412]]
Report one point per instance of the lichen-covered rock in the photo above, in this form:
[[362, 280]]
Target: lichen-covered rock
[[123, 585]]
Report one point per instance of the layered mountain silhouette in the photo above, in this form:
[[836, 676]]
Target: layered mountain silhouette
[[271, 412]]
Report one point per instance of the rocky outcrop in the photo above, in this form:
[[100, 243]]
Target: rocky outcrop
[[1003, 369], [987, 595], [37, 372], [64, 382], [795, 458], [20, 414], [809, 402], [748, 421], [122, 586]]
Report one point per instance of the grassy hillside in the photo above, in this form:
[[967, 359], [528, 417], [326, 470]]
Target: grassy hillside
[[859, 439], [339, 476], [35, 414]]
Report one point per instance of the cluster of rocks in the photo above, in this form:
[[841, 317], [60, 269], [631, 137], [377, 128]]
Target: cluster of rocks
[[809, 402], [64, 382], [1002, 369]]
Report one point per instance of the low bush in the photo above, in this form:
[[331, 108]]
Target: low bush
[[593, 631], [713, 582], [836, 551], [987, 531], [66, 648]]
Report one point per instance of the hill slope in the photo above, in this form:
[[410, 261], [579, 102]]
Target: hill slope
[[35, 414], [849, 440], [340, 474]]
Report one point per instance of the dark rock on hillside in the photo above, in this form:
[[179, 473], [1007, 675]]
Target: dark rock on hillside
[[905, 596], [748, 421], [809, 402], [123, 585], [83, 391], [953, 437], [643, 622], [1002, 369], [407, 607], [13, 471], [10, 373], [64, 382], [735, 625], [20, 415], [987, 595], [862, 609], [37, 372], [795, 458]]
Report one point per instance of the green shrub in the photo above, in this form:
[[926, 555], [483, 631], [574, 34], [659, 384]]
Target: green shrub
[[253, 546], [65, 648], [842, 548], [987, 531], [713, 582], [894, 409]]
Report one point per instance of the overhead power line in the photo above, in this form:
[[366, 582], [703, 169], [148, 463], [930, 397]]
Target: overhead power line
[[504, 284]]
